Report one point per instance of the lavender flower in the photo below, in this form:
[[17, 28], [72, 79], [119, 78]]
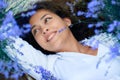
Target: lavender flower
[[88, 14], [26, 28], [71, 6], [3, 5], [94, 7], [93, 42], [28, 14], [80, 13], [9, 27], [97, 31], [114, 52], [90, 25], [62, 29], [98, 24], [46, 75], [10, 69], [118, 36], [112, 26], [114, 2]]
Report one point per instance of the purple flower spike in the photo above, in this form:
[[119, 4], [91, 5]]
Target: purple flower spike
[[62, 29], [3, 5], [9, 27]]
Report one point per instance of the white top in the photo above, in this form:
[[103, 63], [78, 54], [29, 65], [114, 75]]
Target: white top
[[66, 65], [79, 66], [71, 65]]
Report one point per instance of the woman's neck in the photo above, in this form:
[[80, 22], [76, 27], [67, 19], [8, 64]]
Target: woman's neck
[[70, 45], [74, 46]]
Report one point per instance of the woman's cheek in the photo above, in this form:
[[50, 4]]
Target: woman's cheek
[[38, 40]]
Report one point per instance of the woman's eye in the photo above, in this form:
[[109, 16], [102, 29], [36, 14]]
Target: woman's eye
[[36, 31], [47, 19]]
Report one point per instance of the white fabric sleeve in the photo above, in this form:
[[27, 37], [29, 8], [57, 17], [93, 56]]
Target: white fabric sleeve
[[27, 57]]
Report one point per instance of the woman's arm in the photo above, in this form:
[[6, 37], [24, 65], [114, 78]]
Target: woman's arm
[[29, 59]]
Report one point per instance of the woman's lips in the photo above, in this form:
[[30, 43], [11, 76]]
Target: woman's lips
[[51, 36]]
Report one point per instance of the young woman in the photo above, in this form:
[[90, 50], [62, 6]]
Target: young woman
[[73, 60]]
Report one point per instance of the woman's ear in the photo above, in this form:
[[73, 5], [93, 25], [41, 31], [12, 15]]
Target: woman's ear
[[67, 21]]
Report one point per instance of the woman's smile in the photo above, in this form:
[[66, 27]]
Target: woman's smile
[[50, 36]]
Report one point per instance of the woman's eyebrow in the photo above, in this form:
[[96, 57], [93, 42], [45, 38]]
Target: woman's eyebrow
[[43, 16]]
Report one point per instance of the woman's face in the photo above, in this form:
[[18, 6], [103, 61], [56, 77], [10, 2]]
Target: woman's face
[[45, 26]]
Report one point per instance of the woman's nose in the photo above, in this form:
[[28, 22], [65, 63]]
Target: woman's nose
[[45, 30]]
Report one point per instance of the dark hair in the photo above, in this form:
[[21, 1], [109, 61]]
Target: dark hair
[[79, 30], [52, 7]]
